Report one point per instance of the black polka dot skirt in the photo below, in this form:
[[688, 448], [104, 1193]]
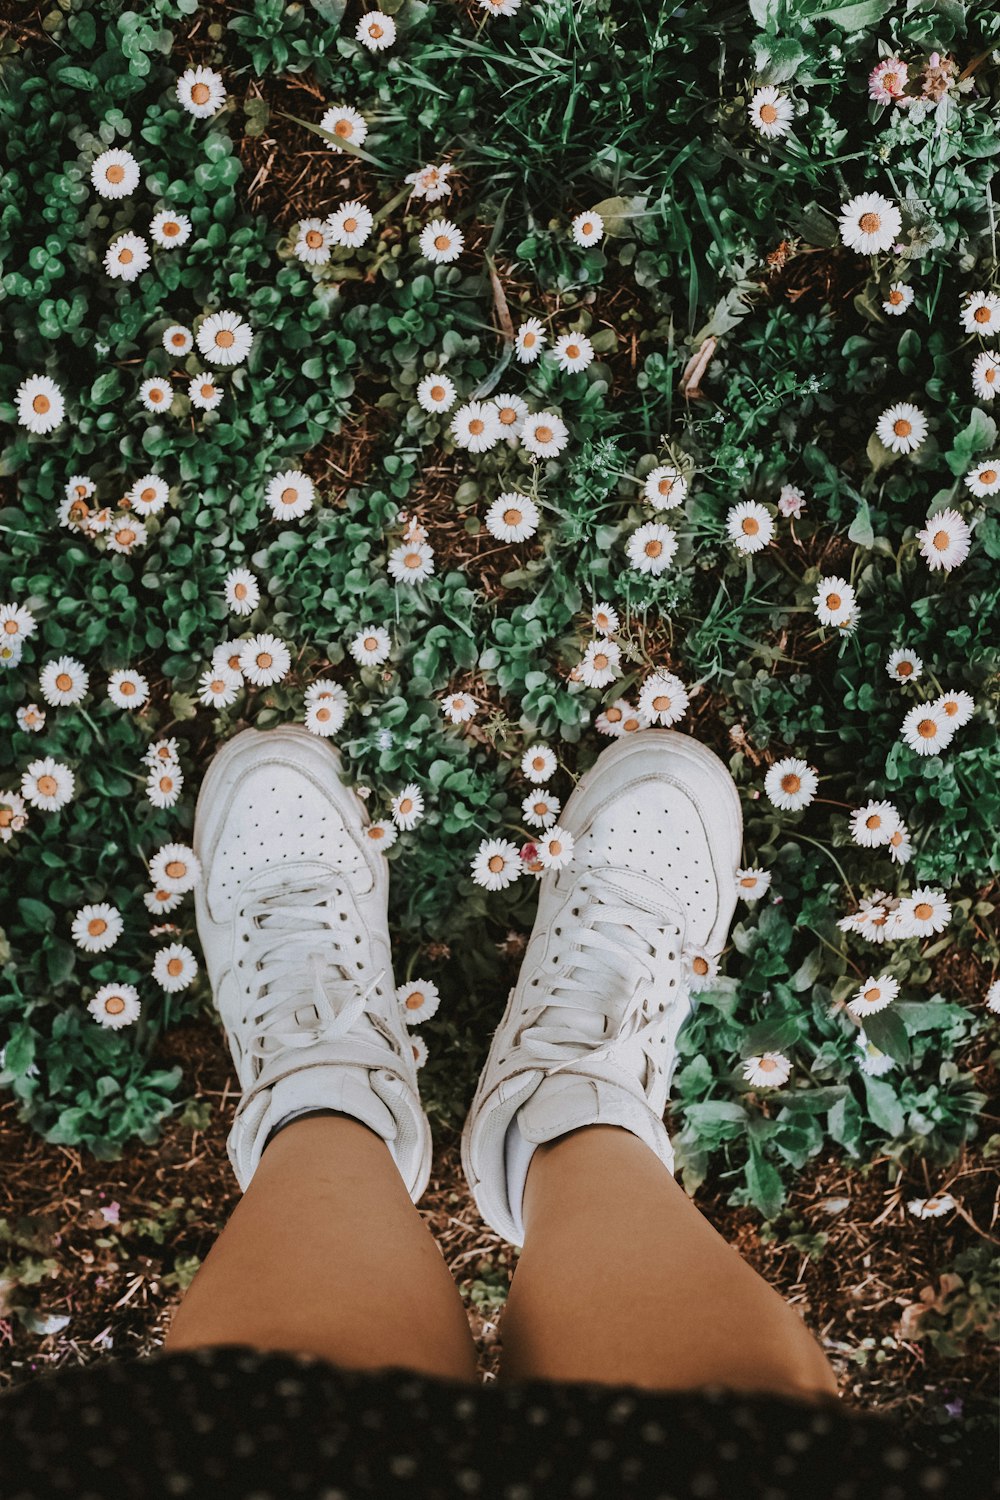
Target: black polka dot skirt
[[233, 1423]]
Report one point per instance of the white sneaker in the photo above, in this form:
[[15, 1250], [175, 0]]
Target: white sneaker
[[292, 919], [590, 1030]]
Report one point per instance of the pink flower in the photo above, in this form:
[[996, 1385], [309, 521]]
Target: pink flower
[[529, 853], [888, 81], [112, 1213]]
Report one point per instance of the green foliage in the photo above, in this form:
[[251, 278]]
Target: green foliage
[[642, 112]]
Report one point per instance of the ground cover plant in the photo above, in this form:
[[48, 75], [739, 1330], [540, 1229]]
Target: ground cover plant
[[475, 383]]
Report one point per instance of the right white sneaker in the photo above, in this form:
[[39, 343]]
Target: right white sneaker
[[590, 1030]]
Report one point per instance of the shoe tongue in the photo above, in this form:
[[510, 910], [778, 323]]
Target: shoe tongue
[[645, 892]]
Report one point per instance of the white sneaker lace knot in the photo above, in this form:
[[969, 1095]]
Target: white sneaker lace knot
[[296, 965]]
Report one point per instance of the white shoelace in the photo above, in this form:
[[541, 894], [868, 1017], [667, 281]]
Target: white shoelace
[[294, 959], [627, 949]]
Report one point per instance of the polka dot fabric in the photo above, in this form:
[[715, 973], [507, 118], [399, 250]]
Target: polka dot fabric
[[231, 1423]]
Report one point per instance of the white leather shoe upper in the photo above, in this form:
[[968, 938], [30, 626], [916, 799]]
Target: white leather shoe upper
[[292, 920], [589, 1034]]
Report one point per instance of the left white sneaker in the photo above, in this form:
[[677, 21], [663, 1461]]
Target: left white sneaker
[[292, 917]]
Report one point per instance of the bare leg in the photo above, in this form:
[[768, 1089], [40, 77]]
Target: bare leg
[[326, 1254], [622, 1281]]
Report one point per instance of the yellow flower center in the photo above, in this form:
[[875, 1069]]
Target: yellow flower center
[[600, 661], [47, 785], [923, 911], [240, 590], [225, 338], [904, 669], [901, 427], [406, 806], [176, 869], [41, 404], [314, 239], [982, 313], [476, 426], [414, 999], [527, 340], [125, 536], [350, 225], [873, 994], [344, 129], [170, 227], [895, 296], [125, 256], [988, 476], [115, 172], [441, 242], [201, 93], [264, 660], [790, 783], [412, 560], [289, 495], [437, 392], [869, 223], [927, 729], [875, 821], [661, 703], [699, 965], [507, 416], [833, 601], [751, 525], [114, 1005], [496, 863], [768, 114], [96, 926], [64, 682], [941, 540], [174, 966], [572, 351], [543, 434]]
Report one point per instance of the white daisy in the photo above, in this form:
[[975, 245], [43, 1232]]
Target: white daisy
[[13, 815], [156, 394], [986, 374], [957, 707], [30, 718], [125, 535], [904, 665], [933, 1207], [175, 868], [634, 719], [324, 689], [40, 404], [768, 1070], [419, 1049], [544, 434], [325, 716], [203, 391], [926, 729], [64, 681], [418, 1001], [700, 970], [555, 848], [115, 173], [834, 601], [529, 340], [227, 654], [346, 124], [178, 340], [265, 660], [80, 487], [16, 623], [651, 548], [382, 834], [10, 653], [993, 997], [290, 494], [898, 298], [663, 698], [924, 912], [573, 351], [441, 241], [98, 927], [161, 901], [436, 393], [351, 224], [604, 618], [164, 752], [664, 487], [224, 338], [201, 91], [601, 663], [902, 428], [874, 995], [791, 501], [476, 426], [770, 112], [872, 1061], [458, 708], [984, 479], [164, 785], [587, 228], [431, 182], [538, 763], [512, 517], [511, 412], [752, 883], [48, 784], [874, 824], [540, 808], [218, 687], [981, 313], [371, 646], [501, 7], [791, 784], [174, 968], [749, 526], [407, 806], [870, 224], [411, 562], [945, 540], [127, 689], [496, 864], [376, 31], [115, 1006], [149, 494], [313, 241], [900, 847], [242, 591], [126, 256], [170, 230]]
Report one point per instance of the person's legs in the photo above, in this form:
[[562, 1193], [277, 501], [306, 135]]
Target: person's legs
[[622, 1281], [326, 1254]]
